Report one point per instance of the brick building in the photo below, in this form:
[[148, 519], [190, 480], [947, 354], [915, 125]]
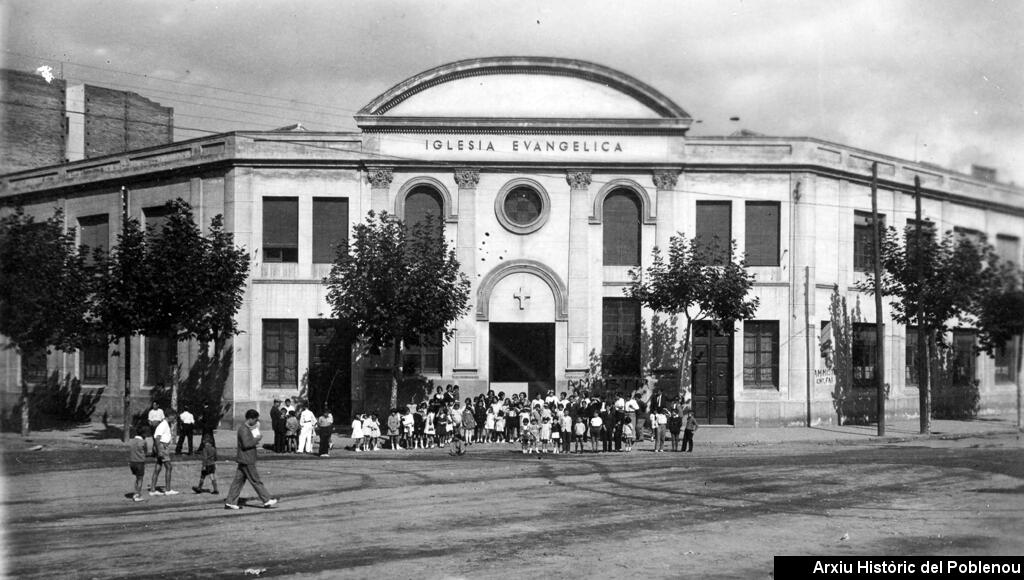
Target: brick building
[[553, 178], [47, 123]]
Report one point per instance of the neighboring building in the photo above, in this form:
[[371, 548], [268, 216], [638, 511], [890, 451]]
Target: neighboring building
[[554, 178], [47, 123]]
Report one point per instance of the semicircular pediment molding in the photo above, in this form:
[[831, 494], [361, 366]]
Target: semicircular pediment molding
[[539, 269]]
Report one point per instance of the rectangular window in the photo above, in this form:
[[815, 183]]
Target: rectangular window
[[330, 227], [1005, 371], [94, 232], [863, 240], [155, 217], [94, 364], [910, 357], [965, 357], [280, 229], [762, 233], [1008, 248], [761, 354], [714, 229], [33, 367], [280, 354], [974, 236], [620, 336], [865, 353], [422, 355], [161, 355]]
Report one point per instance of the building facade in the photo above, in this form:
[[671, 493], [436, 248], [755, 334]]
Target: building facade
[[51, 122], [553, 178]]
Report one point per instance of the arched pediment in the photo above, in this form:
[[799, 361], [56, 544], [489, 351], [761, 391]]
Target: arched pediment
[[524, 88], [552, 279], [646, 207]]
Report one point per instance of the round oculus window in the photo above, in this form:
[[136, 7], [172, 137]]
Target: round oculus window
[[523, 206]]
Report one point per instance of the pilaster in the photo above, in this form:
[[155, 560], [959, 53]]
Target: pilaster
[[579, 259], [380, 179], [665, 183], [465, 251]]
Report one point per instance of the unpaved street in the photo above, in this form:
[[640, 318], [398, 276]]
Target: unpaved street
[[495, 513]]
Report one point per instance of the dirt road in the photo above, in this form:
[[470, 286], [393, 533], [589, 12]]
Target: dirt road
[[495, 513]]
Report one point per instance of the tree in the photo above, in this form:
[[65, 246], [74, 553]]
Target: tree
[[44, 286], [176, 283], [395, 284], [931, 282], [999, 311], [697, 285]]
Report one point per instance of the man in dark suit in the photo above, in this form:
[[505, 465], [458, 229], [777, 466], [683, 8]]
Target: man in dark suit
[[277, 424], [248, 441]]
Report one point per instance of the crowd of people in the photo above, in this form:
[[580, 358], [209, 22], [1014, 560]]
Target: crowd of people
[[549, 424], [568, 423]]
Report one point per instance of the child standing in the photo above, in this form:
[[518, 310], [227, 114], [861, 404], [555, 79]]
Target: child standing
[[394, 429], [627, 432], [545, 435], [208, 452], [675, 425], [138, 449], [566, 436], [357, 433], [659, 420], [596, 427], [579, 432], [489, 423], [429, 430], [291, 432], [499, 427], [408, 422], [691, 428]]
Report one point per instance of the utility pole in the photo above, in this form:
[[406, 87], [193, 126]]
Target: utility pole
[[879, 326], [127, 337], [924, 335]]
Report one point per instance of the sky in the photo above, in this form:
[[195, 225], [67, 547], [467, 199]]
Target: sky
[[937, 81]]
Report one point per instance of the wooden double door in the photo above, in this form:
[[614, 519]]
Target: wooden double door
[[712, 395]]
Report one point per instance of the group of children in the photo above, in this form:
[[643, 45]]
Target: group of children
[[540, 428], [144, 445]]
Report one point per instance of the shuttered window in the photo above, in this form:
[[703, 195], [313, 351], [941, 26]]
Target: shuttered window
[[94, 232], [620, 336], [965, 358], [714, 229], [761, 354], [910, 356], [155, 217], [621, 219], [33, 367], [863, 240], [280, 229], [865, 353], [161, 354], [330, 227], [420, 203], [762, 233], [1005, 371], [1008, 248], [94, 364], [280, 354], [422, 355]]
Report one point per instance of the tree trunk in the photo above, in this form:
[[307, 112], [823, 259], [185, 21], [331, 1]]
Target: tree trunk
[[126, 435], [172, 339], [1017, 377], [25, 427], [396, 372], [924, 378], [685, 370]]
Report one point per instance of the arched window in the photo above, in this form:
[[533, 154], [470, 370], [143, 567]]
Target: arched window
[[621, 229], [421, 202]]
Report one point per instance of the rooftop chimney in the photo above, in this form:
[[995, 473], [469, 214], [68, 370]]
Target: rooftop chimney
[[983, 173]]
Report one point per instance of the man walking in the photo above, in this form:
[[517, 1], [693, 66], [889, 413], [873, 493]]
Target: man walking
[[186, 426], [162, 438], [248, 441]]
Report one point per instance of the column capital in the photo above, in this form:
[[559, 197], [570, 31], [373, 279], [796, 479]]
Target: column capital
[[467, 178], [577, 179], [666, 179], [379, 176]]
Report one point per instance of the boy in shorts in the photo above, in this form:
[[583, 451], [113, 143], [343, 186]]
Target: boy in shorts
[[208, 451], [162, 438], [138, 449]]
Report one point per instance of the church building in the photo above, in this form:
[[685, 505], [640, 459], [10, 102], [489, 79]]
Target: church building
[[553, 178]]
